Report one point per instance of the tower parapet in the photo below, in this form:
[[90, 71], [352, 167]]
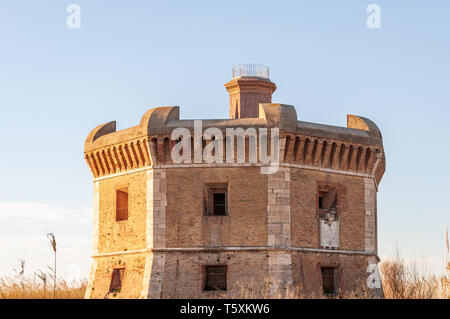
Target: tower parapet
[[356, 148]]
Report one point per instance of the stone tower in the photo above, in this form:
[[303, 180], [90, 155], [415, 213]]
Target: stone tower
[[170, 229]]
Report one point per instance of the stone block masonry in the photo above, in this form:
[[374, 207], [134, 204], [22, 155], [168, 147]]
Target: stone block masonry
[[279, 230], [370, 216], [156, 233]]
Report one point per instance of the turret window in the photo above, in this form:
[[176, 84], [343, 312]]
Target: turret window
[[121, 205]]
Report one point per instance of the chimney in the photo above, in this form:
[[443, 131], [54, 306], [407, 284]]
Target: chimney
[[249, 86]]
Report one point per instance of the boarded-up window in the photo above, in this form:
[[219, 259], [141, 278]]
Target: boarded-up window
[[117, 280], [328, 280], [216, 199], [121, 205], [329, 233], [216, 278]]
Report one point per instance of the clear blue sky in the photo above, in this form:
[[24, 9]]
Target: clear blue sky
[[57, 83]]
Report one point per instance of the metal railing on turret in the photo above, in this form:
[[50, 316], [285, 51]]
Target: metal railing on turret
[[251, 70]]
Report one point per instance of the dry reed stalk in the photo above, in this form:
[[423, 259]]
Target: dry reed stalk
[[52, 240]]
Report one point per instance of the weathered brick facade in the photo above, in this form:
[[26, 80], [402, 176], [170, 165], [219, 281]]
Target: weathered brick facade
[[275, 226]]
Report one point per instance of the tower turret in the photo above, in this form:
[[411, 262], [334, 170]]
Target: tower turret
[[249, 87]]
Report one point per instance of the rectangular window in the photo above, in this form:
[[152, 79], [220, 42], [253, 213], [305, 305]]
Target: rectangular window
[[216, 199], [219, 204], [216, 278], [121, 205], [117, 280], [327, 202], [329, 280]]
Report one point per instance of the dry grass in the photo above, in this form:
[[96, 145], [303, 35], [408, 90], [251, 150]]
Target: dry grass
[[408, 281], [400, 280], [29, 288], [403, 280], [264, 291]]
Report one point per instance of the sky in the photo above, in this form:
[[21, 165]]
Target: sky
[[57, 84]]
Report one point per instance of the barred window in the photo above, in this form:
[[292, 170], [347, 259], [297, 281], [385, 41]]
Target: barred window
[[216, 278], [216, 199], [328, 280], [117, 280], [121, 205], [219, 204]]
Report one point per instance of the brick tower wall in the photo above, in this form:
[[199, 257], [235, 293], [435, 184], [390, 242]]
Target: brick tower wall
[[269, 216], [272, 230]]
